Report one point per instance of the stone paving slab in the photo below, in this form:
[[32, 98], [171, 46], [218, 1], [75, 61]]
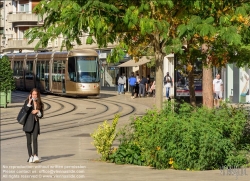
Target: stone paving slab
[[66, 153]]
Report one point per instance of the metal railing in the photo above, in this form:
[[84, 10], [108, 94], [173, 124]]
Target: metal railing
[[20, 12]]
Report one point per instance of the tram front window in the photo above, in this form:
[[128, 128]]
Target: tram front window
[[87, 69]]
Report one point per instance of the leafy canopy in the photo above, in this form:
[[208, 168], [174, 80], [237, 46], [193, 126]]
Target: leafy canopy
[[221, 26]]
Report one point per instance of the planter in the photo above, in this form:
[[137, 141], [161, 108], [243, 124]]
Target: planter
[[3, 102]]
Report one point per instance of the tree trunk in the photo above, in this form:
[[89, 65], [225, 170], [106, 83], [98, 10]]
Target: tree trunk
[[191, 87], [158, 80], [207, 87]]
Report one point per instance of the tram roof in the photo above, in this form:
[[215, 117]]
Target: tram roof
[[60, 55], [45, 55], [10, 55], [31, 56], [20, 56]]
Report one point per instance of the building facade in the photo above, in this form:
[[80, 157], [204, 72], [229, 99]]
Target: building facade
[[17, 16]]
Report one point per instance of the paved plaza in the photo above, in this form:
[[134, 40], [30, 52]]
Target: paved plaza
[[65, 149]]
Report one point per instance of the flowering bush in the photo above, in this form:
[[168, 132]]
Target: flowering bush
[[104, 137]]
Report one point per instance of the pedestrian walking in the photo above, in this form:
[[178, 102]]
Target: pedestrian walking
[[167, 84], [217, 89], [137, 85], [34, 107], [121, 83], [132, 84], [142, 85]]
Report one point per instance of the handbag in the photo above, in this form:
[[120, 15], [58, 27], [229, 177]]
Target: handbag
[[22, 116]]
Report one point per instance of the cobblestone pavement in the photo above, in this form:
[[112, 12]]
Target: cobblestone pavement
[[65, 148]]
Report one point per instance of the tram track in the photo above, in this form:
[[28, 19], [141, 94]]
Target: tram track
[[75, 122], [48, 107], [14, 118]]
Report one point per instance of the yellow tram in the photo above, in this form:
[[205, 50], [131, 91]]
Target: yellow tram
[[75, 73]]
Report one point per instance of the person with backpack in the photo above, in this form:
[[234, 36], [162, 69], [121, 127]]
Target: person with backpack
[[132, 84], [167, 84]]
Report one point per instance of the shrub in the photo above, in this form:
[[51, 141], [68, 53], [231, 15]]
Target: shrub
[[104, 137], [187, 138], [128, 151]]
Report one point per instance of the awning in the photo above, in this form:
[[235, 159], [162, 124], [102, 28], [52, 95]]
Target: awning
[[132, 63]]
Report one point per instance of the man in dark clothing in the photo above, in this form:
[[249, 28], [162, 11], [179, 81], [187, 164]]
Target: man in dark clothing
[[142, 84]]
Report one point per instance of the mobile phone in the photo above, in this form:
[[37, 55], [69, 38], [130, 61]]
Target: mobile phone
[[30, 96]]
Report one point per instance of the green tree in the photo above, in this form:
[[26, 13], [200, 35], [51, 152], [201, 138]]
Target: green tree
[[214, 30], [147, 27], [141, 27], [6, 77]]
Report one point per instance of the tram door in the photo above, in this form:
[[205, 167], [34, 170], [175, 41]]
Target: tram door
[[40, 75], [29, 75], [46, 75], [63, 77], [18, 74], [58, 78]]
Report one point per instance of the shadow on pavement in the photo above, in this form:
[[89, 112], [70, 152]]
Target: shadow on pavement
[[44, 159]]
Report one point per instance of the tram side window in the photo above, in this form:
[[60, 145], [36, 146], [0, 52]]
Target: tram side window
[[15, 70], [20, 72], [18, 69], [38, 70], [63, 71], [46, 74], [42, 69], [72, 68], [29, 70], [55, 72], [59, 71]]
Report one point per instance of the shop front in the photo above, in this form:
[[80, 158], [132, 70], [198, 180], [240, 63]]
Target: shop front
[[139, 67], [237, 84]]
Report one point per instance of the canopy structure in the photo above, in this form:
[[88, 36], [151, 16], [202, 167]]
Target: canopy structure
[[132, 63]]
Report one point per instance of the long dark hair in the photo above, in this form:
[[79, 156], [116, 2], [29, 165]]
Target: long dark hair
[[39, 100]]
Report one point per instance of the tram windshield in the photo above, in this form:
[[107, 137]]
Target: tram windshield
[[86, 69]]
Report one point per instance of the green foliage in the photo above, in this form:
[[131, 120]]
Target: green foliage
[[104, 137], [184, 137], [151, 27], [117, 53], [240, 55], [127, 153], [6, 75]]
